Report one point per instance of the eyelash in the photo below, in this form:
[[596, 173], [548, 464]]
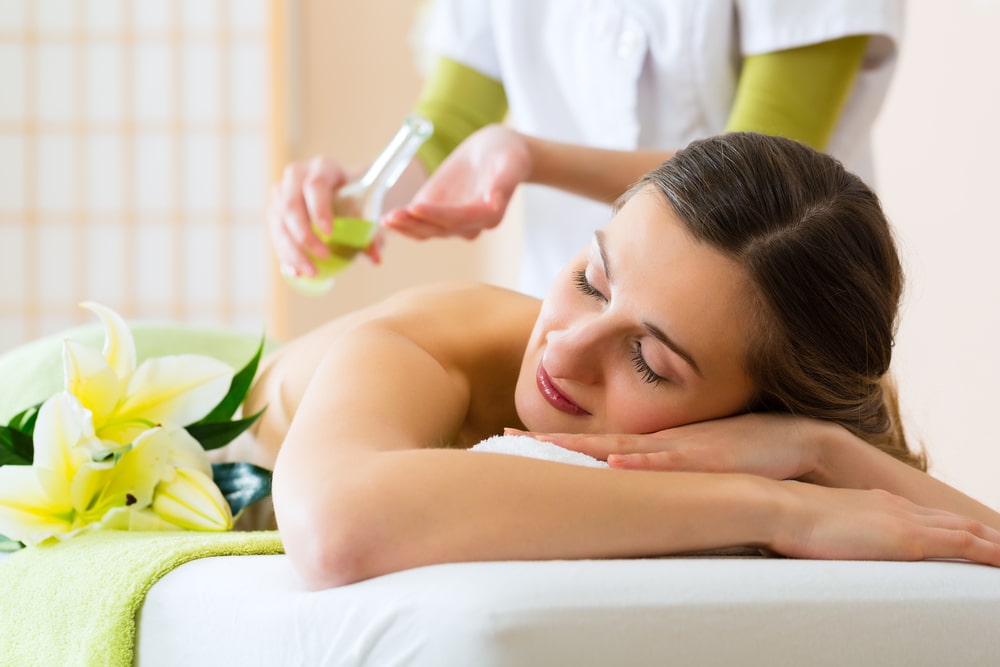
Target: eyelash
[[638, 362], [582, 284], [642, 368]]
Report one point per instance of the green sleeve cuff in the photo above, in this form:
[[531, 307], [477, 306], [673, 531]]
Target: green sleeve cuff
[[798, 93], [458, 100]]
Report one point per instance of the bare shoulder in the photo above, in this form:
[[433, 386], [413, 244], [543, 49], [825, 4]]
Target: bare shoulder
[[459, 316], [475, 333]]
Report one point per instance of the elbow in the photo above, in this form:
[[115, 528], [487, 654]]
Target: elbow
[[328, 537], [326, 559]]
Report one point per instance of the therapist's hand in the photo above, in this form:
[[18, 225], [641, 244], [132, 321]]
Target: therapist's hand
[[305, 196], [766, 444], [470, 191]]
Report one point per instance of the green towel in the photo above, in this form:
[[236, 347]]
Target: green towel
[[75, 602]]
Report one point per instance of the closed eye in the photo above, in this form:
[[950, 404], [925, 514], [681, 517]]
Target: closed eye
[[638, 361], [585, 287], [642, 368]]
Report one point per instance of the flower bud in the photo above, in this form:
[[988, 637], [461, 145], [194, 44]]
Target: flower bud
[[192, 501]]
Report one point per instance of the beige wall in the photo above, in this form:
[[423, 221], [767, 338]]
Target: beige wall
[[937, 150], [937, 171]]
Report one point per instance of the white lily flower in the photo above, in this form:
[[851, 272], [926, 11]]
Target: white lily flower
[[125, 400], [111, 451], [37, 501]]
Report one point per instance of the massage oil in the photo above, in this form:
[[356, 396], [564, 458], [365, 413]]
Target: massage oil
[[358, 205]]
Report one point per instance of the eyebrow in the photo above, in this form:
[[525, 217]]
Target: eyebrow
[[654, 330]]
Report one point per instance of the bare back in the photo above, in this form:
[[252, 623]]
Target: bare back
[[475, 333]]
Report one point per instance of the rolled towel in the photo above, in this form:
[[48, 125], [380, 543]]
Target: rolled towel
[[523, 445]]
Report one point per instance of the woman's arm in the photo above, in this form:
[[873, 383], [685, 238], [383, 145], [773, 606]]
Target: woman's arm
[[778, 447], [356, 510], [360, 488]]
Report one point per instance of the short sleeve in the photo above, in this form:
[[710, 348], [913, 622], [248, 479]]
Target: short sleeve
[[462, 30], [774, 25]]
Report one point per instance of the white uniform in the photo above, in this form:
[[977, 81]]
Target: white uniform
[[631, 74]]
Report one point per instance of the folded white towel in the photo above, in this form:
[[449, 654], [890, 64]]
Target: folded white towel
[[523, 445]]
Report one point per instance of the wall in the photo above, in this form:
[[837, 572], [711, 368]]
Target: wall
[[133, 153], [938, 176]]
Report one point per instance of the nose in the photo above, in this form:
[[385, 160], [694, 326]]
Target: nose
[[576, 352]]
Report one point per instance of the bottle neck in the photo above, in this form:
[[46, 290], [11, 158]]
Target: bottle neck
[[390, 163]]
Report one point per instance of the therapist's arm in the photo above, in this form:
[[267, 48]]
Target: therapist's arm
[[459, 100], [798, 93]]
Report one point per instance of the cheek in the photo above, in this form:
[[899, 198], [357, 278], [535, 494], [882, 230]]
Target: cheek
[[632, 409]]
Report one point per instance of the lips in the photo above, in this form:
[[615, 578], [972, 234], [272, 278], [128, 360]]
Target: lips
[[556, 398]]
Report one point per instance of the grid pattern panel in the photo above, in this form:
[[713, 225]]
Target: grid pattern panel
[[133, 162]]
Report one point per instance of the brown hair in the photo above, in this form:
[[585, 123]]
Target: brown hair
[[817, 246]]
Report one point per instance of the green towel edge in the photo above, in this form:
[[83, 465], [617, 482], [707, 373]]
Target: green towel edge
[[82, 585]]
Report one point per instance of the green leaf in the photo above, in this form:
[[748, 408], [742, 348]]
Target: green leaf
[[7, 544], [241, 483], [24, 421], [16, 447], [238, 389], [217, 434]]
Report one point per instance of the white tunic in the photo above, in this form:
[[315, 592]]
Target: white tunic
[[631, 74]]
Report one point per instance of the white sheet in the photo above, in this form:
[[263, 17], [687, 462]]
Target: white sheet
[[683, 611]]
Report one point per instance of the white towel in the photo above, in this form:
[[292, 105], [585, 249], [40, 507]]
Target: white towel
[[523, 445]]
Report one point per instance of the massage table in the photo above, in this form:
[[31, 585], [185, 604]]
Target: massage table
[[719, 609]]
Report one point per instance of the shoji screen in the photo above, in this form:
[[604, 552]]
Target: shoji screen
[[133, 161]]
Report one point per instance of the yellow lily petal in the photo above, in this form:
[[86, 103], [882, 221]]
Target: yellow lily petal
[[64, 438], [27, 514], [90, 378], [119, 347], [178, 389], [129, 518], [185, 451], [88, 490], [127, 482], [193, 501]]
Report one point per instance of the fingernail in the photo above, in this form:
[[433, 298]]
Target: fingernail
[[513, 431], [288, 271]]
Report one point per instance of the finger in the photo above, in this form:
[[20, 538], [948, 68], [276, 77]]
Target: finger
[[689, 460], [642, 461], [299, 232], [374, 249], [456, 218], [964, 544], [293, 216], [598, 446], [293, 260], [415, 228], [321, 181], [956, 522]]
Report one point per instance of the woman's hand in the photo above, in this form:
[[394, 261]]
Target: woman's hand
[[848, 524], [770, 445], [470, 191]]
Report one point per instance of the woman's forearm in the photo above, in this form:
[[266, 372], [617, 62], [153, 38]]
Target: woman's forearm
[[387, 511], [844, 460], [596, 173]]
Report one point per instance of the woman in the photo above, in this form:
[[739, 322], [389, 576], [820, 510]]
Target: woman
[[739, 307]]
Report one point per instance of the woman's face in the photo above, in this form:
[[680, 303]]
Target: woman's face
[[643, 331]]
